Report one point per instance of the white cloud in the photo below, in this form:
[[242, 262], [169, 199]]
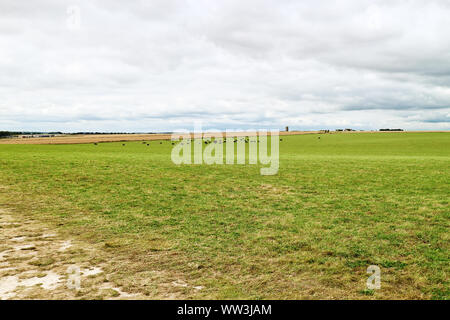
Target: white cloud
[[160, 65]]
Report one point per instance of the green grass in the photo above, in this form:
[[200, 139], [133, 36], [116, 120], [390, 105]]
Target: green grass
[[337, 205]]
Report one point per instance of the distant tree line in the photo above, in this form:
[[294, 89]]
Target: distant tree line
[[4, 134], [85, 133]]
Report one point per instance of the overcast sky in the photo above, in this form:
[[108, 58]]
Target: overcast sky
[[160, 65]]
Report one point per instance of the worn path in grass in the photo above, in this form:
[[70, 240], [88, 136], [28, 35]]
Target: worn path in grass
[[37, 263]]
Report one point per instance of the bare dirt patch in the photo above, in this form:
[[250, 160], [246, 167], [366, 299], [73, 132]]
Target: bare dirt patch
[[36, 263]]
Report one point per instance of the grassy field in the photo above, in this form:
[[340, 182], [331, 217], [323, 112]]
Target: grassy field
[[337, 205]]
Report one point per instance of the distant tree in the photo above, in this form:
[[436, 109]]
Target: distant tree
[[5, 134]]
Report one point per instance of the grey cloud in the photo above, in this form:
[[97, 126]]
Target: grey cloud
[[436, 120], [394, 107], [161, 64]]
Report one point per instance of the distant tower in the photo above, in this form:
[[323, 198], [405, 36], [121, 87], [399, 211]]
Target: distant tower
[[287, 129]]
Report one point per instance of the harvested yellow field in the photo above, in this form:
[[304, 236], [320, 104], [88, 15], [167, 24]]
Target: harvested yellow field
[[78, 139]]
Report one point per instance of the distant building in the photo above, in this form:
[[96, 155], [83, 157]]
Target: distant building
[[25, 136]]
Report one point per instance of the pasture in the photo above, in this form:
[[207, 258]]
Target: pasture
[[337, 205]]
